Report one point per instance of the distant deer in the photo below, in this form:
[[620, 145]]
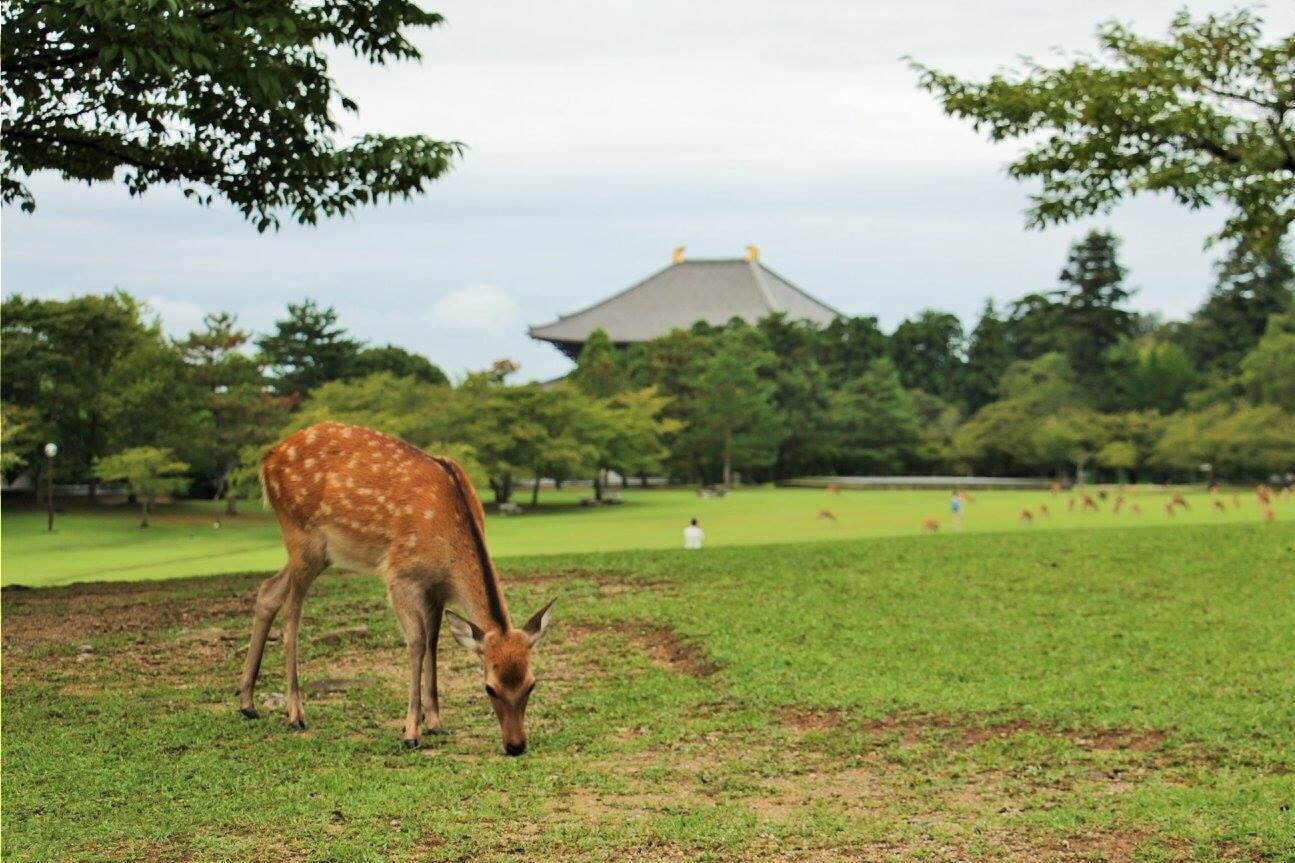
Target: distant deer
[[1102, 493], [367, 500], [1056, 489], [1220, 506], [833, 488], [931, 525], [1269, 514], [1119, 504], [827, 513], [1089, 503], [1027, 516], [1265, 494], [1134, 509], [1043, 508], [1072, 503], [1179, 500], [1169, 508]]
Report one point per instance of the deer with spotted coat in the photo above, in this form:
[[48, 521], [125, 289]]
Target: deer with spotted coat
[[368, 501]]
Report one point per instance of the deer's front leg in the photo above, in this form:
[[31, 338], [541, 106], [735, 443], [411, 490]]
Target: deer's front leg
[[431, 698], [409, 611]]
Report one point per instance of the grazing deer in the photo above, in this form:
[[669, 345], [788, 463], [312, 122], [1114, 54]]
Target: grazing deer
[[1220, 506], [1102, 493], [1089, 503], [1179, 500], [827, 513], [369, 501], [931, 525], [1264, 493], [1043, 508], [1027, 516]]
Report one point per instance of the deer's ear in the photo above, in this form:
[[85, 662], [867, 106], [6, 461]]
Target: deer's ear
[[465, 631], [538, 625]]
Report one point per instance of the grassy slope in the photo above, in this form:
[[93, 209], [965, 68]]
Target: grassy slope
[[1074, 695], [107, 545]]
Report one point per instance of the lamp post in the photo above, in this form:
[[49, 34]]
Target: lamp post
[[51, 450]]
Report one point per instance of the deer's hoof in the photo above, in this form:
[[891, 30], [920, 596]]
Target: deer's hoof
[[249, 713], [415, 743], [299, 725]]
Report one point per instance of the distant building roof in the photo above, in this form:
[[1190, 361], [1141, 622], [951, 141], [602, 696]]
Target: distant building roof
[[685, 292]]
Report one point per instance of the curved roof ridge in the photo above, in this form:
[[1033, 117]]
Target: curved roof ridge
[[771, 271]]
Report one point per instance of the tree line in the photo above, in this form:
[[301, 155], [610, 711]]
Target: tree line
[[1060, 382], [1055, 383]]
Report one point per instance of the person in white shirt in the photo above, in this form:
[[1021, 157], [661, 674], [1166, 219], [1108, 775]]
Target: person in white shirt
[[693, 535]]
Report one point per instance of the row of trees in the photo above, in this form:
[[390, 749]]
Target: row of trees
[[1055, 383]]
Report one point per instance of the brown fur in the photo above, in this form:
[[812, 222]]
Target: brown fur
[[1179, 500], [931, 525], [365, 500], [1027, 516], [827, 513]]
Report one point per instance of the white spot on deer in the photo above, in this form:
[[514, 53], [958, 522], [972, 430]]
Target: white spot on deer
[[411, 540], [310, 436], [291, 452], [429, 514], [325, 509], [345, 431], [310, 461]]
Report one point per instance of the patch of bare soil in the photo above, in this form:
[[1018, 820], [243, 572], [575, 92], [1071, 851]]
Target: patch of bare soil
[[913, 728], [804, 720], [70, 615], [661, 644], [609, 583]]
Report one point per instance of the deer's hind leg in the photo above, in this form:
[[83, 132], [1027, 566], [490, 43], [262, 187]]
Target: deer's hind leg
[[306, 559]]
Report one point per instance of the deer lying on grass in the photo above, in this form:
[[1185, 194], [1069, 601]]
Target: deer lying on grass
[[369, 501]]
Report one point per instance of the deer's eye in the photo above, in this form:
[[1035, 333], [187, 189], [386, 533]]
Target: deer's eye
[[490, 690]]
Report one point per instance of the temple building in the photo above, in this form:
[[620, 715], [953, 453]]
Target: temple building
[[712, 290]]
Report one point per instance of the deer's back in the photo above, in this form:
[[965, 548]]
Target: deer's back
[[375, 499]]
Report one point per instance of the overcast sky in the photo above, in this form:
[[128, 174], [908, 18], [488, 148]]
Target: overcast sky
[[600, 136]]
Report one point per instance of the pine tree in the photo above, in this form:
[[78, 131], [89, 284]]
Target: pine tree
[[308, 349]]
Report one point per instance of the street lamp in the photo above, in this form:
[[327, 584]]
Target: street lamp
[[51, 450]]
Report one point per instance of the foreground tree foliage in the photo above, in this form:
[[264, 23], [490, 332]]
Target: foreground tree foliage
[[1204, 115], [228, 100]]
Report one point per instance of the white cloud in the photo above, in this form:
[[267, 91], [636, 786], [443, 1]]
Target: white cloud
[[179, 317], [482, 308]]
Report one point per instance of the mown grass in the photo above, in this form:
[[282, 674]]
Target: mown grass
[[1071, 695], [106, 544]]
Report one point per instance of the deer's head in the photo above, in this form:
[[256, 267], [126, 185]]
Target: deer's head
[[506, 662]]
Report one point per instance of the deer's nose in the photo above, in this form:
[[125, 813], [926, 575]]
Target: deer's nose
[[515, 748]]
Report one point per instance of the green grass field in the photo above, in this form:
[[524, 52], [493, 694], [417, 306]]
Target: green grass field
[[107, 545], [1081, 695]]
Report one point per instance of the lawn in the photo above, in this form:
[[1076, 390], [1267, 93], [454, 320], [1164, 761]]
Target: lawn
[[1080, 695], [107, 544]]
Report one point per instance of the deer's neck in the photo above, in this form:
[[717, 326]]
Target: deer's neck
[[479, 592]]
